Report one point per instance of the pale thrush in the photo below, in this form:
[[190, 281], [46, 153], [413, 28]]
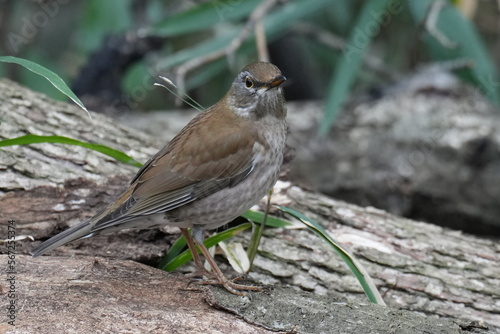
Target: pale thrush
[[222, 163]]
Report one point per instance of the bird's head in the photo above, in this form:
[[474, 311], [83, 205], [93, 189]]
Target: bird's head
[[257, 91]]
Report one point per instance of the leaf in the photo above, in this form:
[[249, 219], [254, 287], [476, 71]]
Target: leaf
[[256, 217], [96, 22], [275, 24], [236, 255], [358, 270], [202, 16], [257, 232], [34, 139], [460, 30], [367, 25], [53, 78], [173, 252], [186, 256], [173, 259], [218, 42]]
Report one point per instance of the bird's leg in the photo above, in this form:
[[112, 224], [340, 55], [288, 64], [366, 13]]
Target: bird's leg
[[198, 236], [192, 248], [200, 268]]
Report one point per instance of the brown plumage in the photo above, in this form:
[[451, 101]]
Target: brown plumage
[[216, 168]]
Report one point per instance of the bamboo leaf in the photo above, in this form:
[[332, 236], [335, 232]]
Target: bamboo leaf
[[202, 16], [347, 68], [186, 256], [174, 251], [236, 255], [276, 23], [461, 31], [357, 269], [53, 78], [256, 217], [34, 139]]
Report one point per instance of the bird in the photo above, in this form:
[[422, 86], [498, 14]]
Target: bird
[[217, 167]]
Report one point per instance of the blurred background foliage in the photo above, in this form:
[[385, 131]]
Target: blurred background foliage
[[111, 52]]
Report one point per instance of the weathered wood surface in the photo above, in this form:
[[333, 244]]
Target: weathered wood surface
[[103, 295], [44, 187]]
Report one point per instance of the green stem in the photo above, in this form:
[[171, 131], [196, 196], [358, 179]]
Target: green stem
[[257, 235]]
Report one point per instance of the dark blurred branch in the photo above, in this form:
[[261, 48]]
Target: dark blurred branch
[[255, 17]]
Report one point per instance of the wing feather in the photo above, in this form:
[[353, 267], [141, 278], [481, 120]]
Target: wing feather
[[195, 164]]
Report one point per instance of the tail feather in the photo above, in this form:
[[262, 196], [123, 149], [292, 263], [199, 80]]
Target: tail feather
[[76, 232]]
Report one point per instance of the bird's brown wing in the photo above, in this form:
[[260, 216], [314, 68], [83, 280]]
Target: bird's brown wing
[[196, 163]]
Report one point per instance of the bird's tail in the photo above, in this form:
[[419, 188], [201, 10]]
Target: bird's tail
[[76, 232]]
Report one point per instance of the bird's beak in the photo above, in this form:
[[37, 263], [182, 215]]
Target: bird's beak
[[278, 80]]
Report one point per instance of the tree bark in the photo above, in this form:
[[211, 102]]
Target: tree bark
[[91, 285], [104, 295]]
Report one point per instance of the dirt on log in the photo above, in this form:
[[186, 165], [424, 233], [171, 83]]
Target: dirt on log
[[433, 279]]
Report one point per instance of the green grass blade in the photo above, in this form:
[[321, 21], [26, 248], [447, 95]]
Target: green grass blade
[[360, 273], [254, 243], [34, 139], [348, 66], [256, 217], [257, 232], [186, 256], [253, 216], [202, 16], [279, 20], [276, 23], [218, 42], [180, 243], [461, 31], [173, 252], [53, 78]]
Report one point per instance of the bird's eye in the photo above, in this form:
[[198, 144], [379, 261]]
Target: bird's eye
[[248, 82]]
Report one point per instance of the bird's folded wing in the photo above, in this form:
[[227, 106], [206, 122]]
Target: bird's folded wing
[[184, 171]]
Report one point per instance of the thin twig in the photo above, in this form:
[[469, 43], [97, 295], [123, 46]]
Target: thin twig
[[256, 16], [427, 24], [431, 24], [260, 38]]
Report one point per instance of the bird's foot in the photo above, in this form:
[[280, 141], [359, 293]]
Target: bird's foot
[[200, 273], [231, 286]]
